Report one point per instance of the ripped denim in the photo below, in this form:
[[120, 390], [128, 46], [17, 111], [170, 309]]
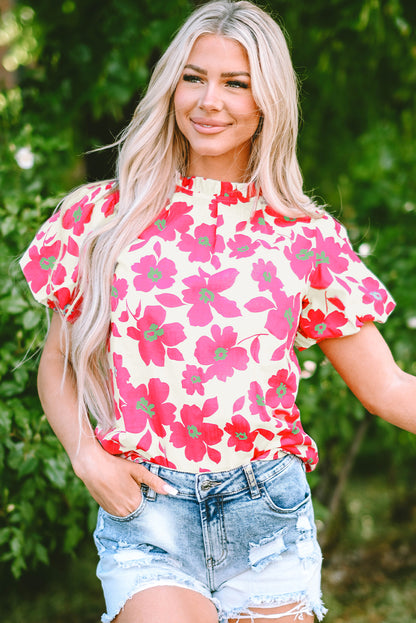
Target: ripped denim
[[243, 538]]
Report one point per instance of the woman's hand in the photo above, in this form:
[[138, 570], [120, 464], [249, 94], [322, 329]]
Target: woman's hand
[[114, 482]]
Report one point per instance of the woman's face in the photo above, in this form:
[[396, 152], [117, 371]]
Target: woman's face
[[215, 109]]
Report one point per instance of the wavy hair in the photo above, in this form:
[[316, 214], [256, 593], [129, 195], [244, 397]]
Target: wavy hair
[[151, 152]]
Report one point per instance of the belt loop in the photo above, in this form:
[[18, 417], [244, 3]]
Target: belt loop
[[251, 481], [151, 493]]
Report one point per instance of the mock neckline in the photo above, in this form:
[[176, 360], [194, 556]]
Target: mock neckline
[[207, 186]]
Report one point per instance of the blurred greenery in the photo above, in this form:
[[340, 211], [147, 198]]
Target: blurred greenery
[[79, 68]]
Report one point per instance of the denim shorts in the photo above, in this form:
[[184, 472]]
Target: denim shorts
[[242, 538]]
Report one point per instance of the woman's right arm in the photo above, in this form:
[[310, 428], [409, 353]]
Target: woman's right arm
[[112, 481]]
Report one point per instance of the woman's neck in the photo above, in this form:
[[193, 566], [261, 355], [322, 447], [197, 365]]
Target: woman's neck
[[218, 168]]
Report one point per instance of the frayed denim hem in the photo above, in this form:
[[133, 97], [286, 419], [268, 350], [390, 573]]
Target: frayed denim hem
[[151, 583], [302, 605]]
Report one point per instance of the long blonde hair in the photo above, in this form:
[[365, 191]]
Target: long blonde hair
[[152, 150]]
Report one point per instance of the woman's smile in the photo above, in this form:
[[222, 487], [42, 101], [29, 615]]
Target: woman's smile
[[208, 126], [215, 108]]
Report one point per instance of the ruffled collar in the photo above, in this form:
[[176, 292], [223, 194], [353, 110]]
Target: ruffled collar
[[209, 187]]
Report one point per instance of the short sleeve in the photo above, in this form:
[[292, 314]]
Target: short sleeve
[[342, 292], [50, 264]]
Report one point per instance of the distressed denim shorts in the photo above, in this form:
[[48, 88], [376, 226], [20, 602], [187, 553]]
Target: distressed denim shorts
[[242, 538]]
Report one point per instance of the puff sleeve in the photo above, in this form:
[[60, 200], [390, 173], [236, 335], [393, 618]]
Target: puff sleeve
[[342, 292], [50, 264]]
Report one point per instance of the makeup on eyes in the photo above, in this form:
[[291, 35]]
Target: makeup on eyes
[[234, 83], [225, 74]]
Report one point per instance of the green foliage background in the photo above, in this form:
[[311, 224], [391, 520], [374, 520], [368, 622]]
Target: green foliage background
[[81, 66]]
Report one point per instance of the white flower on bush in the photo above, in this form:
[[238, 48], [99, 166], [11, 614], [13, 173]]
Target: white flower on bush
[[364, 249], [411, 322], [308, 369], [25, 158]]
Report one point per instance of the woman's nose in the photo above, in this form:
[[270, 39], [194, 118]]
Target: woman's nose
[[210, 98]]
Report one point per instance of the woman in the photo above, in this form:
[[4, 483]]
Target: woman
[[181, 289]]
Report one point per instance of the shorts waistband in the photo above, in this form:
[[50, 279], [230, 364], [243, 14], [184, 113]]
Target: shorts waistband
[[207, 484]]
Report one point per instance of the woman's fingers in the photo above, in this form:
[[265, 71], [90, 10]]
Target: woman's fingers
[[114, 482], [142, 475]]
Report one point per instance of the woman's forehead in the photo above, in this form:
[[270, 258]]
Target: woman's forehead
[[210, 48]]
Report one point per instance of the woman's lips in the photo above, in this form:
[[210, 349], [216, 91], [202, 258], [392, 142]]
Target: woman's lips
[[205, 126]]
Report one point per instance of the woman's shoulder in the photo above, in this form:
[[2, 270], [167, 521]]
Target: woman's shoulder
[[84, 209], [90, 200], [322, 222]]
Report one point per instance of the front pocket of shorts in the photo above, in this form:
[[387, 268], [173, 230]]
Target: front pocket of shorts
[[288, 491], [131, 515]]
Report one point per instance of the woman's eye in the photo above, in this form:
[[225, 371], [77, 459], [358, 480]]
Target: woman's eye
[[191, 78], [237, 84]]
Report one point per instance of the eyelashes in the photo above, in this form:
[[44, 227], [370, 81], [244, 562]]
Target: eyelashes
[[191, 78], [235, 84], [238, 83]]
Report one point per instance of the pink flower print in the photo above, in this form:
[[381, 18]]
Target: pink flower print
[[346, 244], [109, 204], [171, 220], [118, 292], [58, 275], [147, 405], [78, 215], [257, 402], [260, 224], [230, 196], [120, 376], [65, 298], [327, 261], [282, 392], [162, 460], [319, 327], [41, 265], [260, 455], [203, 293], [220, 353], [349, 251], [72, 247], [114, 332], [153, 273], [301, 256], [241, 437], [153, 336], [186, 186], [195, 435], [363, 319], [265, 274], [292, 436], [374, 294], [311, 458], [193, 379], [282, 220], [242, 246], [282, 322], [42, 233], [112, 446], [202, 244]]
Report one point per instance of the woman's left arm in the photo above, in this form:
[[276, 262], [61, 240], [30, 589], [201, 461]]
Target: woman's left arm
[[367, 366]]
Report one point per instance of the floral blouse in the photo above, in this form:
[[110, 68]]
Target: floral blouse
[[207, 305]]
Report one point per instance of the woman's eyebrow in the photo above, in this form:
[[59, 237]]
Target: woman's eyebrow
[[227, 74]]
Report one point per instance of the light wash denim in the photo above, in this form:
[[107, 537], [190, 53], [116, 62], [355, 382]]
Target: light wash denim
[[243, 538]]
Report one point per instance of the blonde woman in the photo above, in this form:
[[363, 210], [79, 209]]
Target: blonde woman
[[169, 372]]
